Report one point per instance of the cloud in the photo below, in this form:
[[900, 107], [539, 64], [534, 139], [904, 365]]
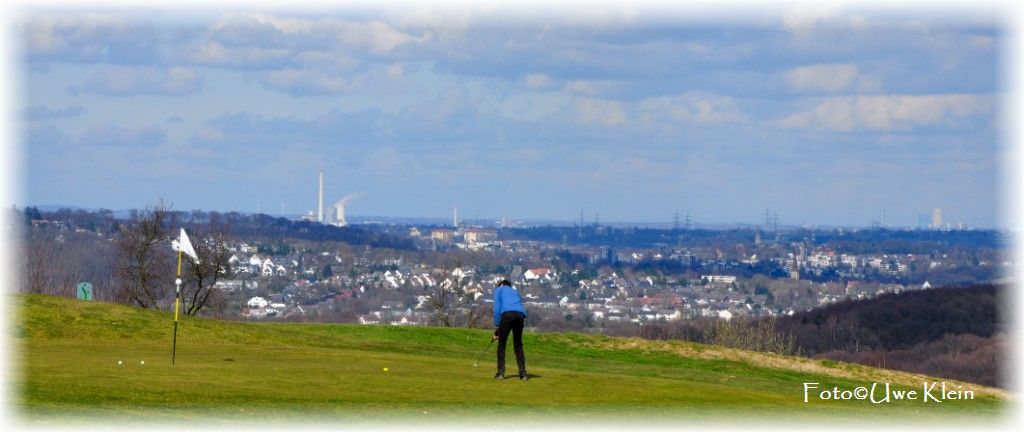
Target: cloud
[[378, 36], [538, 81], [396, 70], [42, 112], [299, 82], [690, 108], [453, 108], [87, 37], [600, 111], [140, 80], [270, 30], [982, 41], [255, 131], [213, 53], [888, 112], [113, 135], [801, 18], [828, 78], [592, 87]]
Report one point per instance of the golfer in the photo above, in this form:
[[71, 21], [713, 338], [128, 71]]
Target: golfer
[[509, 315]]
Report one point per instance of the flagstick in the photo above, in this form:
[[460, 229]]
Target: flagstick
[[177, 298]]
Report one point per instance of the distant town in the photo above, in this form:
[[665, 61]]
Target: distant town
[[583, 276]]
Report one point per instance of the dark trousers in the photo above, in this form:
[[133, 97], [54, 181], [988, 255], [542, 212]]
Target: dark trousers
[[511, 321]]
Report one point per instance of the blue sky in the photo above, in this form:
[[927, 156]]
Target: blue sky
[[826, 115]]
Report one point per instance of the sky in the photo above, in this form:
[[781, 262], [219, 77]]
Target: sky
[[827, 115]]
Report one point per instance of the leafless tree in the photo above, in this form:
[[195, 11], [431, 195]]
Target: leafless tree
[[453, 304], [38, 255], [55, 261], [198, 283], [442, 299], [145, 259]]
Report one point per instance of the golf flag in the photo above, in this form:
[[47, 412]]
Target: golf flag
[[182, 244]]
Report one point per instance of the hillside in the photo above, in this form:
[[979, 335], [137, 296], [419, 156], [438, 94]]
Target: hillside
[[68, 353], [954, 332]]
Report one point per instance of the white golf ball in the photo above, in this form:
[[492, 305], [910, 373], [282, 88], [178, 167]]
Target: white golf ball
[[142, 362], [119, 362]]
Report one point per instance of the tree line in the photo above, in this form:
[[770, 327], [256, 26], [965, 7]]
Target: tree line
[[953, 332]]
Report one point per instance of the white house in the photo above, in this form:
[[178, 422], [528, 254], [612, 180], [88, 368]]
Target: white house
[[723, 279], [258, 303], [543, 274]]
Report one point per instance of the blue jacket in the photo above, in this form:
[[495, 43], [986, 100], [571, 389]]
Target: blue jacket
[[506, 299]]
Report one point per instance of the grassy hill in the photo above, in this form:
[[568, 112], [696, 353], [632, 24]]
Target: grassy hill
[[66, 356]]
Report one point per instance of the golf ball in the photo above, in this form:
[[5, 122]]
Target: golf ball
[[119, 362], [142, 362], [385, 369]]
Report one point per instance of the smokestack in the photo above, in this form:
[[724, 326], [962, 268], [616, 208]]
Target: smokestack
[[320, 205], [455, 217]]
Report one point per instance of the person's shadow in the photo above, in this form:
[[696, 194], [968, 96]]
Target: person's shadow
[[529, 376]]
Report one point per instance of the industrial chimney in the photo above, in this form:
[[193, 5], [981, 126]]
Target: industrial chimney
[[320, 205]]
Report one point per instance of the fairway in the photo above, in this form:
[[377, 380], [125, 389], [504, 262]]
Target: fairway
[[67, 355]]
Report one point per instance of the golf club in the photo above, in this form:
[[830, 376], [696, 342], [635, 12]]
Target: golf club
[[476, 363]]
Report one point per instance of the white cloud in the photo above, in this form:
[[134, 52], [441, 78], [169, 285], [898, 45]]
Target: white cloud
[[376, 36], [538, 81], [600, 111], [283, 25], [396, 70], [888, 112], [447, 23], [983, 42], [213, 53], [690, 108], [829, 78], [801, 18], [86, 37], [42, 112], [51, 34], [591, 87], [451, 102], [111, 134], [301, 82], [136, 80]]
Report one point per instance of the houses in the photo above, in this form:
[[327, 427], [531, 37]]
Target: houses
[[442, 235], [259, 307], [479, 235], [538, 274], [718, 280]]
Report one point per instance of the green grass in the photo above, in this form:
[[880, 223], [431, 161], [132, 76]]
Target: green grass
[[67, 354]]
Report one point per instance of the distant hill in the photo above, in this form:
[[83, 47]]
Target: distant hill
[[952, 332], [83, 360]]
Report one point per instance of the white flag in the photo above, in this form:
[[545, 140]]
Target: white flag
[[183, 245]]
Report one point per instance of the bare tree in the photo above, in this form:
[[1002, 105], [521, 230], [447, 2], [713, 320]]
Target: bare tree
[[144, 265], [197, 289], [442, 299], [453, 304], [54, 261], [38, 256]]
